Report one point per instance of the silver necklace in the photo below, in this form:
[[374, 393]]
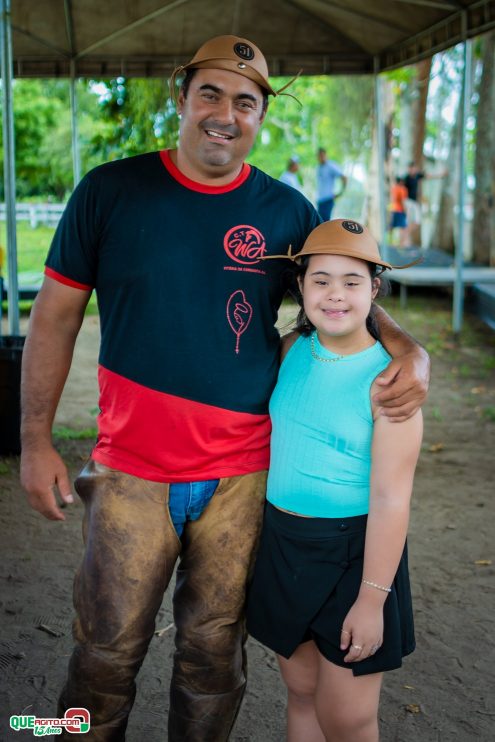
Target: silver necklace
[[320, 358]]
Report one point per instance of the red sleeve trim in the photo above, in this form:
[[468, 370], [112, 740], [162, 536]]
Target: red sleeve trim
[[202, 187], [66, 281]]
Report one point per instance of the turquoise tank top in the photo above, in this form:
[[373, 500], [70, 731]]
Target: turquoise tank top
[[322, 429]]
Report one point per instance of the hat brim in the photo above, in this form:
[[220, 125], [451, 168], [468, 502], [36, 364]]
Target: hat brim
[[232, 66], [327, 249]]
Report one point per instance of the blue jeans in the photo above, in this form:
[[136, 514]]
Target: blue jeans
[[187, 500], [325, 208]]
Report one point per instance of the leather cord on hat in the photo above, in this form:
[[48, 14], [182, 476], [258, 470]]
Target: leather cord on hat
[[289, 95], [178, 70], [277, 92], [290, 256], [171, 83]]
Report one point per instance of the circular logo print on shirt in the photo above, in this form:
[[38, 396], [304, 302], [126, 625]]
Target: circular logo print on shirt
[[244, 244], [244, 51], [353, 227]]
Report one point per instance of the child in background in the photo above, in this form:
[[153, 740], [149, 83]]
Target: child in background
[[330, 592], [398, 218]]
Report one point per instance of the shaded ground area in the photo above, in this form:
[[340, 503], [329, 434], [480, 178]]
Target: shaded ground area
[[445, 689]]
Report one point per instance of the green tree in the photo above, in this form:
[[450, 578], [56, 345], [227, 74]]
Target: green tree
[[484, 202]]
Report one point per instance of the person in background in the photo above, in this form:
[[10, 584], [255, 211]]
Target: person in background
[[412, 182], [330, 593], [290, 175], [398, 219], [327, 174]]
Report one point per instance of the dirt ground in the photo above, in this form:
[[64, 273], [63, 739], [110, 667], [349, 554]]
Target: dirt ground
[[444, 690]]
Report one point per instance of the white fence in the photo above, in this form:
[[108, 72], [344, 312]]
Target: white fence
[[35, 214]]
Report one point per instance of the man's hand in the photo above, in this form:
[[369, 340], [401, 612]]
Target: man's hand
[[406, 380], [42, 472]]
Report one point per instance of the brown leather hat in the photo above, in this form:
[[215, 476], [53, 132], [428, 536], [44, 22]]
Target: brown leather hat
[[234, 54], [343, 237]]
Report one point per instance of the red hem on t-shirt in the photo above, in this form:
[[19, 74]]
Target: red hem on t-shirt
[[66, 281], [202, 187], [162, 437], [151, 475]]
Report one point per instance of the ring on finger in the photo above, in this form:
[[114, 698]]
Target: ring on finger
[[357, 646], [343, 631]]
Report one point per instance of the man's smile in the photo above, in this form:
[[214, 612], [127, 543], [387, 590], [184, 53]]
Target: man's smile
[[218, 134]]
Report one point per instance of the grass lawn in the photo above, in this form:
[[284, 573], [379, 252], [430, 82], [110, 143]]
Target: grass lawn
[[32, 246]]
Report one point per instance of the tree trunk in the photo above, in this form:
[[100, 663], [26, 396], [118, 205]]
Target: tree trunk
[[423, 70], [371, 210], [444, 234], [484, 197]]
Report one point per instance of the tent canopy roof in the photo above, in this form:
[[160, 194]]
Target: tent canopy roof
[[148, 38]]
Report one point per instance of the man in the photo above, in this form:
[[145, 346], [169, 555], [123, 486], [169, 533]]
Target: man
[[327, 173], [173, 244], [412, 182], [289, 176]]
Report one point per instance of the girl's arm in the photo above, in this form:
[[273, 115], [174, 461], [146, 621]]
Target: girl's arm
[[395, 452], [286, 343]]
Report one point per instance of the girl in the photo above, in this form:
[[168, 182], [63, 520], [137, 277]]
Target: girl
[[330, 592]]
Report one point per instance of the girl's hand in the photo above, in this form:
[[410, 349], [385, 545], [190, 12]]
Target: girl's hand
[[362, 630]]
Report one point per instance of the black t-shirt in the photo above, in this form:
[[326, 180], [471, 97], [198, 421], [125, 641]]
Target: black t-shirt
[[412, 184], [189, 351]]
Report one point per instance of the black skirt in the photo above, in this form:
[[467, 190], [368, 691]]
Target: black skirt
[[307, 576]]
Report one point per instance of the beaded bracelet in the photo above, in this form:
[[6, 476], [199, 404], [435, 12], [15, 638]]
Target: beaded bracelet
[[378, 587]]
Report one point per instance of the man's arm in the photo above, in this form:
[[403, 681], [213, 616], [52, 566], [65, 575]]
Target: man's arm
[[343, 179], [55, 321], [407, 376]]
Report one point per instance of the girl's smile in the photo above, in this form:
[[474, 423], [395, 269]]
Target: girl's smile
[[338, 292]]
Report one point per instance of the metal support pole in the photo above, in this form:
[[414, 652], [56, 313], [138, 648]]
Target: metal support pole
[[380, 133], [76, 155], [9, 166], [458, 299]]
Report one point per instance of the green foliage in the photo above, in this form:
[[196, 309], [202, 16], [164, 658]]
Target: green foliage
[[335, 113], [140, 116], [43, 143], [68, 434], [120, 118], [36, 110], [489, 414]]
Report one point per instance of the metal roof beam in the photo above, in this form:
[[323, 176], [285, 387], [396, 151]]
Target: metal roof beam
[[39, 40], [69, 26], [442, 4], [343, 8], [317, 19], [131, 26]]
